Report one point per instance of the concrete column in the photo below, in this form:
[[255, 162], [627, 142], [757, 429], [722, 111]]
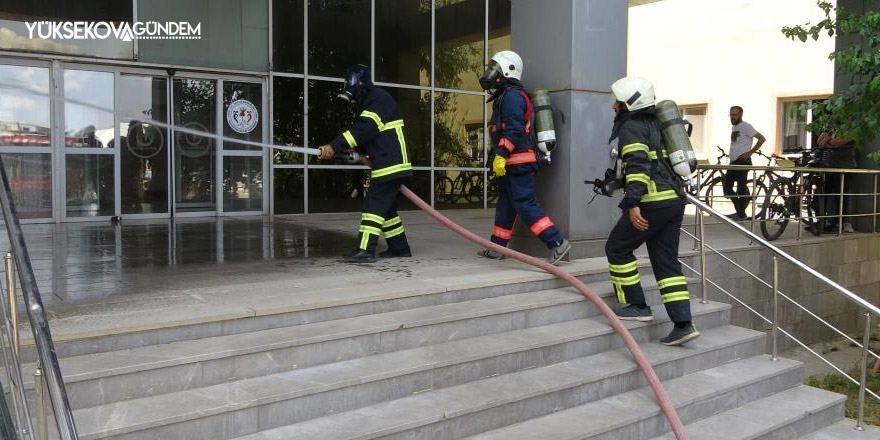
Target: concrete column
[[860, 184], [576, 49]]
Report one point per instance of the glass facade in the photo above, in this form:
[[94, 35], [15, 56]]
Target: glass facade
[[82, 139]]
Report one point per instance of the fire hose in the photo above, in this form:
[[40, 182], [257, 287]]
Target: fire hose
[[662, 398]]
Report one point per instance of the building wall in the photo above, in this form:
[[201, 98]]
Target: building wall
[[731, 52]]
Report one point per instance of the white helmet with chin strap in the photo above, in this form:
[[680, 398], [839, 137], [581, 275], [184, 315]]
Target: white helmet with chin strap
[[636, 93], [504, 64]]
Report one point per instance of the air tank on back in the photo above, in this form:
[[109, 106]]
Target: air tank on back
[[546, 132], [678, 144]]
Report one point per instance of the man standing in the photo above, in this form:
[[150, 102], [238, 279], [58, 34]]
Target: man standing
[[377, 135], [835, 152], [653, 209], [513, 158], [741, 151]]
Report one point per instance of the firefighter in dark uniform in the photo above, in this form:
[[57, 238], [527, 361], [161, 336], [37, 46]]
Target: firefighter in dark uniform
[[513, 158], [653, 208], [377, 134]]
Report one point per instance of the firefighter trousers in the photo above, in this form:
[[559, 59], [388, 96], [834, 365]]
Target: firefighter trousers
[[380, 218], [662, 239], [516, 197]]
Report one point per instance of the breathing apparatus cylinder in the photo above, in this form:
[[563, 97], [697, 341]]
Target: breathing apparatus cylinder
[[546, 132], [678, 144]]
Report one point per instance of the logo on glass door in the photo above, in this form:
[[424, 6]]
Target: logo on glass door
[[242, 116]]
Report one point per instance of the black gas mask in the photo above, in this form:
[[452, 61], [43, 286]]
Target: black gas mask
[[492, 77], [356, 79]]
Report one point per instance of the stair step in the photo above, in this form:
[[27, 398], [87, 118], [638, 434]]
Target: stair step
[[636, 415], [300, 395], [338, 303], [845, 430], [491, 403], [104, 378], [790, 414]]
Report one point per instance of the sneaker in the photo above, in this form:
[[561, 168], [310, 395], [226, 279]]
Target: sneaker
[[390, 253], [490, 254], [633, 313], [735, 217], [679, 336], [361, 256], [848, 228], [559, 251]]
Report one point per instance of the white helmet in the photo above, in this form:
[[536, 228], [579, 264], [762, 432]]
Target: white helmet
[[636, 93], [511, 63]]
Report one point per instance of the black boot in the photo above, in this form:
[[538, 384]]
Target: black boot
[[361, 256], [396, 253]]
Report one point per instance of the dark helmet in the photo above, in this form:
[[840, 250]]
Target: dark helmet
[[356, 79]]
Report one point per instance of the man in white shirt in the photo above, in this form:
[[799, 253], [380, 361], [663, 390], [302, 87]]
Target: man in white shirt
[[742, 137]]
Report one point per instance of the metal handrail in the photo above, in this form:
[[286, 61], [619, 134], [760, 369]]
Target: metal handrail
[[784, 169], [36, 314], [778, 253]]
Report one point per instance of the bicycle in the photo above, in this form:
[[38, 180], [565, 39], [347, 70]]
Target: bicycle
[[789, 197], [714, 177], [760, 183]]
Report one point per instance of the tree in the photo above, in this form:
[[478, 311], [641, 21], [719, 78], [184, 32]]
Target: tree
[[854, 111]]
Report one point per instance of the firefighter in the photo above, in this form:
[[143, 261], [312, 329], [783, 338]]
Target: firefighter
[[513, 158], [653, 208], [377, 135]]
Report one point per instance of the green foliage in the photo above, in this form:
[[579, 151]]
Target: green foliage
[[854, 111], [837, 383]]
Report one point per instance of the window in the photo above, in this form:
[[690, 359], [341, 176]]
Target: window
[[696, 115], [794, 125]]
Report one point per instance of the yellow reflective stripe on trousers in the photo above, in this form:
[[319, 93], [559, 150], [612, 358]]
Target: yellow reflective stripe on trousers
[[370, 230], [373, 218], [350, 139], [621, 297], [624, 267], [632, 148], [638, 178], [394, 232], [672, 281], [391, 170], [628, 281], [677, 296], [391, 222]]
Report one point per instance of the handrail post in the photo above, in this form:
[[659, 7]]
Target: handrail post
[[874, 227], [703, 275], [840, 206], [41, 431], [754, 202], [800, 191], [9, 259], [699, 212], [775, 330], [860, 422]]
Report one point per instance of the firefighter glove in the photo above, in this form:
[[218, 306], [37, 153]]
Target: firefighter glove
[[499, 165]]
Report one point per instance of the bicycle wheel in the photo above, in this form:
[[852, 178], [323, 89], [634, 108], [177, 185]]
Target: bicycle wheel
[[443, 190], [709, 196], [814, 205], [776, 210], [473, 188]]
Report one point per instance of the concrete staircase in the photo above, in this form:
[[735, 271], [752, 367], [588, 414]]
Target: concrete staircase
[[527, 360]]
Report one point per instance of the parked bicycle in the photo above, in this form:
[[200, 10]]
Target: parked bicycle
[[799, 196]]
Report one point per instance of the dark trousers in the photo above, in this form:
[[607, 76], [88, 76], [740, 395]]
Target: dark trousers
[[516, 197], [662, 239], [741, 178], [380, 218]]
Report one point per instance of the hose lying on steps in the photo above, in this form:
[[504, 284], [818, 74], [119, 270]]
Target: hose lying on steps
[[662, 398]]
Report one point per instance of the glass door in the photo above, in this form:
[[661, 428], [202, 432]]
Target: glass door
[[242, 168], [195, 156]]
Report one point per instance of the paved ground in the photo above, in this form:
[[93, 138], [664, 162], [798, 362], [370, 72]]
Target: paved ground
[[97, 277]]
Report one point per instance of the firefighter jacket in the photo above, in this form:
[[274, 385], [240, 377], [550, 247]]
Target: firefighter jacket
[[648, 176], [511, 128], [378, 133]]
